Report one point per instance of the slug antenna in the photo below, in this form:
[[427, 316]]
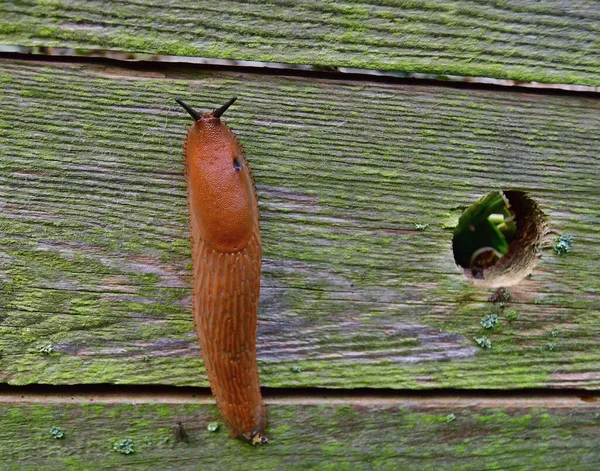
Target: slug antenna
[[219, 111], [193, 113]]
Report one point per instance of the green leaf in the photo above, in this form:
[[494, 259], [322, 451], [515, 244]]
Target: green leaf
[[484, 231]]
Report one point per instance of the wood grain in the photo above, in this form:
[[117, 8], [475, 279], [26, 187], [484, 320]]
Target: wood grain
[[95, 259], [552, 41], [432, 434]]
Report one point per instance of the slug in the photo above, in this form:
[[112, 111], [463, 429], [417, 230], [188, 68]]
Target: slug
[[226, 253]]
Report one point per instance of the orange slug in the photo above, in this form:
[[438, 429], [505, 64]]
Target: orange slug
[[226, 251]]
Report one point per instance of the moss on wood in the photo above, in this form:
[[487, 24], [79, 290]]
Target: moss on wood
[[94, 255], [355, 436], [553, 41]]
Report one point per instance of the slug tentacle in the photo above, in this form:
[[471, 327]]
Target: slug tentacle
[[218, 112], [226, 253], [193, 113]]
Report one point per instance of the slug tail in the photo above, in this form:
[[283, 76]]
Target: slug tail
[[226, 295]]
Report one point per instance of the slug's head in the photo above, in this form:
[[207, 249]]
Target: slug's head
[[213, 134], [220, 185]]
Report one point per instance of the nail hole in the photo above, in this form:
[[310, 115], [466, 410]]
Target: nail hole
[[497, 238]]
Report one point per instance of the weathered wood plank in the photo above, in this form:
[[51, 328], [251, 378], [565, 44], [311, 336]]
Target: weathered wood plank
[[426, 434], [95, 257], [552, 41]]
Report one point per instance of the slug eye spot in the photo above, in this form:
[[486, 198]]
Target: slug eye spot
[[237, 165], [497, 238]]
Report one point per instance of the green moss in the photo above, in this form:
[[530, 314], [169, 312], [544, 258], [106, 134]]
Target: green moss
[[489, 321], [57, 432], [105, 278], [361, 40], [563, 244], [124, 446], [499, 431], [212, 426]]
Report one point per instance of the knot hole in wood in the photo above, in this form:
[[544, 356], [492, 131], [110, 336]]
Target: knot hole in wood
[[497, 238]]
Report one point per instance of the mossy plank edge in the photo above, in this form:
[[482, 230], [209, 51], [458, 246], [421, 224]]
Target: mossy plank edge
[[95, 257], [555, 41], [391, 436]]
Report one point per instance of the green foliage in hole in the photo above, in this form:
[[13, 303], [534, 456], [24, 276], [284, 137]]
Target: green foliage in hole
[[484, 233]]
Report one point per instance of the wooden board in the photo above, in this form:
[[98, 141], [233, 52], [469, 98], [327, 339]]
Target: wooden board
[[95, 258], [330, 434], [552, 41]]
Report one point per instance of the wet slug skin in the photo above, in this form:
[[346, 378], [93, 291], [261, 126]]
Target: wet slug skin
[[226, 253]]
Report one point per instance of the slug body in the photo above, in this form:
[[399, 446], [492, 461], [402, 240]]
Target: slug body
[[226, 253]]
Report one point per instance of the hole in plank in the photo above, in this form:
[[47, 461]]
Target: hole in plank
[[497, 238]]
